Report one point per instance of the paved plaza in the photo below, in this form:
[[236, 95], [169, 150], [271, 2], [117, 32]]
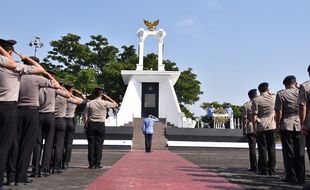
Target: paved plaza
[[231, 164]]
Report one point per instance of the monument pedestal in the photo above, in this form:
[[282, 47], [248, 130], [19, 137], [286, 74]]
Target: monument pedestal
[[150, 92]]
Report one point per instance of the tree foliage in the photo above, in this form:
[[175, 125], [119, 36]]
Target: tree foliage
[[97, 62]]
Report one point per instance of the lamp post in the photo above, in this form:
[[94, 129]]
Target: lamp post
[[36, 43]]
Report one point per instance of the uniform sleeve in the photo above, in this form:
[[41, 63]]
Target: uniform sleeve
[[44, 82], [108, 104], [254, 107], [3, 61], [85, 112], [279, 103], [24, 69], [302, 97], [244, 112], [61, 93]]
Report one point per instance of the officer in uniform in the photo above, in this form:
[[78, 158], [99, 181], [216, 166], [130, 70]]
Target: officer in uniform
[[28, 119], [94, 117], [248, 129], [46, 130], [70, 127], [304, 111], [287, 118], [9, 90], [265, 125]]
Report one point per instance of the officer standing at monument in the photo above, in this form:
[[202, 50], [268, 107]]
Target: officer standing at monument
[[94, 119], [70, 126], [28, 118], [265, 125], [147, 129], [9, 91], [46, 130], [248, 129], [287, 118]]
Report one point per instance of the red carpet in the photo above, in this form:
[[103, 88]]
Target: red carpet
[[159, 170]]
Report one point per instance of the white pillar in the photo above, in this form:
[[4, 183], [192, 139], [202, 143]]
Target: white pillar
[[160, 37], [141, 36]]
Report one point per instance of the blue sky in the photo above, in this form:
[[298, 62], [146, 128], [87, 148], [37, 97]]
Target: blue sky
[[232, 45]]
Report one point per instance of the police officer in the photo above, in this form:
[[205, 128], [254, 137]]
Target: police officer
[[28, 119], [287, 118], [46, 130], [61, 104], [265, 125], [248, 129], [94, 117], [9, 90], [304, 111], [70, 127]]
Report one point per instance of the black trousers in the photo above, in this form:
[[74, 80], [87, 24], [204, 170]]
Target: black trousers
[[267, 152], [27, 127], [308, 144], [46, 131], [95, 136], [293, 149], [8, 118], [60, 131], [252, 151], [69, 136], [148, 142]]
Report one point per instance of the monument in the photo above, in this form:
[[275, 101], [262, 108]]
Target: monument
[[150, 91]]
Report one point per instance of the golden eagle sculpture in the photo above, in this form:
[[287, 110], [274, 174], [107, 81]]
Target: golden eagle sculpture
[[151, 25]]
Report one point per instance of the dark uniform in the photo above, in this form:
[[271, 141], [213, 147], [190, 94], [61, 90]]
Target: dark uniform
[[95, 111], [9, 90], [292, 141], [28, 122], [249, 131], [263, 107], [46, 131]]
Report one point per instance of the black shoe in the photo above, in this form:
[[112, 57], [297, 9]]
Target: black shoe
[[45, 173], [91, 167], [288, 180], [25, 182], [10, 183], [58, 171], [262, 173], [272, 172], [98, 167]]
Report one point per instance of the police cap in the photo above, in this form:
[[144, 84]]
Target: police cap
[[69, 84], [263, 86], [289, 79], [7, 44], [252, 92], [33, 58]]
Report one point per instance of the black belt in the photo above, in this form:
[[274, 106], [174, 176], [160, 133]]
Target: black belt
[[8, 102], [28, 107]]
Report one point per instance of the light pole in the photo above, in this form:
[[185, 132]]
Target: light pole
[[36, 42]]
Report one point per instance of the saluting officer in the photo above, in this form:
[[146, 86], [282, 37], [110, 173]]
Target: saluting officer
[[304, 111], [248, 129], [94, 119], [70, 127], [287, 118], [10, 74], [265, 125], [46, 130], [28, 119]]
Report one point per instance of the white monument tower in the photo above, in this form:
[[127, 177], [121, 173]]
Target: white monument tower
[[150, 91]]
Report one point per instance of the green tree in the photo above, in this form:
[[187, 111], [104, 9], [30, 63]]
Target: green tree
[[99, 63]]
